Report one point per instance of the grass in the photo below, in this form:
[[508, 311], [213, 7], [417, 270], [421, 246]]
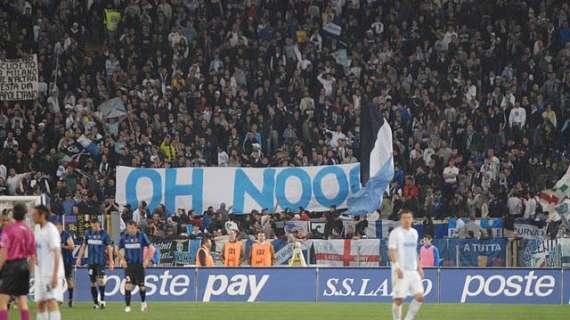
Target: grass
[[309, 311]]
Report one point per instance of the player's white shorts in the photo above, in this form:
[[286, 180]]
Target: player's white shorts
[[41, 292], [410, 285]]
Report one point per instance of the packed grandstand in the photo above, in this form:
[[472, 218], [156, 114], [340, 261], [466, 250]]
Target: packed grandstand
[[477, 94]]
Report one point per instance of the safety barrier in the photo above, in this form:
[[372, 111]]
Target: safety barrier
[[324, 284]]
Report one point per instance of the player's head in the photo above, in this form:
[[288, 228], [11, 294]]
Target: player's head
[[6, 217], [232, 235], [132, 227], [427, 239], [406, 218], [19, 212], [59, 226], [206, 242], [95, 224], [261, 236], [40, 214]]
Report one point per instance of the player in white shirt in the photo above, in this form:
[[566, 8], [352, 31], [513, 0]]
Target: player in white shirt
[[407, 273], [49, 279]]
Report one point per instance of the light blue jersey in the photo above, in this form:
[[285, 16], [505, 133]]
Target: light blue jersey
[[405, 242]]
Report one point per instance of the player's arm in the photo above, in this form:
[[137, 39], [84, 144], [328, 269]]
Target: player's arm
[[109, 249], [54, 246], [149, 252], [436, 257], [81, 251], [420, 269], [202, 257], [393, 254], [272, 253], [3, 254], [250, 255], [122, 261], [69, 245], [32, 263], [32, 260], [222, 255], [147, 259], [4, 240], [242, 257]]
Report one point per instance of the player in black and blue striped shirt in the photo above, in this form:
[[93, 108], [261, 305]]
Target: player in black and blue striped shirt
[[67, 246], [134, 258], [99, 253]]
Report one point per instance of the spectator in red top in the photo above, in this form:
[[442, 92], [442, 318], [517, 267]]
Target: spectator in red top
[[411, 194]]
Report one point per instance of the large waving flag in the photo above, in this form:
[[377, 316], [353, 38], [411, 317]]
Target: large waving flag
[[559, 192], [376, 161]]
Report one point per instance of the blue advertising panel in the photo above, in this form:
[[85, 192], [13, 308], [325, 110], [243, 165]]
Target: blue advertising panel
[[491, 285], [366, 285], [513, 286], [256, 284], [161, 285]]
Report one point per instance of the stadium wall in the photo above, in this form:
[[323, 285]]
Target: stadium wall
[[312, 284]]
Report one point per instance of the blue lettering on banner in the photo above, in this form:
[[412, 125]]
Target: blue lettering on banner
[[354, 176], [342, 186], [312, 188], [173, 190], [513, 286], [280, 189], [161, 285], [243, 185], [131, 186], [259, 284], [366, 285]]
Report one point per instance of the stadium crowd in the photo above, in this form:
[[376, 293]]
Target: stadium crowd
[[477, 94]]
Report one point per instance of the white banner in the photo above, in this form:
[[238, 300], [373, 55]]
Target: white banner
[[286, 252], [339, 253], [297, 226], [245, 189], [19, 78], [529, 231]]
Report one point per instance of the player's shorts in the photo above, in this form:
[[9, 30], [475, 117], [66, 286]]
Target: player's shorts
[[15, 278], [68, 267], [134, 273], [42, 291], [96, 271], [410, 285]]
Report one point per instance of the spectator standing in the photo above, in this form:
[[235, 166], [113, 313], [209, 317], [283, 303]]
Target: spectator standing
[[204, 256], [232, 251], [262, 252], [429, 254], [140, 214]]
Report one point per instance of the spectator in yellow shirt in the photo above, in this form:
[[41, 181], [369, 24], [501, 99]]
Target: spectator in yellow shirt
[[167, 149], [550, 115]]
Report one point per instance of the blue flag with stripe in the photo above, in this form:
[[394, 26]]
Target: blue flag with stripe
[[376, 161]]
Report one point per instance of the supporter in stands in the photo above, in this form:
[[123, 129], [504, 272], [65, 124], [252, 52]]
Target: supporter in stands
[[429, 254], [472, 230]]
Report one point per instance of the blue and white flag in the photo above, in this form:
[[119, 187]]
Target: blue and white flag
[[376, 161]]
